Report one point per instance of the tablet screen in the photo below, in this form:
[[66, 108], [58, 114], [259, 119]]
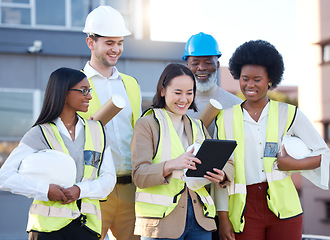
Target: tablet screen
[[213, 153]]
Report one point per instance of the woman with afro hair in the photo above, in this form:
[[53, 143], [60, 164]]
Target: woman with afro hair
[[263, 202]]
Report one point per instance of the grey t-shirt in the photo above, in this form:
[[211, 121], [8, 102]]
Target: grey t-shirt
[[226, 99], [35, 139]]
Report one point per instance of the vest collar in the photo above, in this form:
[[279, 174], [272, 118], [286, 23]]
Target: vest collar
[[61, 127], [187, 128]]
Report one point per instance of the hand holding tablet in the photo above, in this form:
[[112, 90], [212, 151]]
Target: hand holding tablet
[[213, 153]]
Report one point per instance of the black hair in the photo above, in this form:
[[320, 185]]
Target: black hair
[[59, 83], [94, 36], [258, 52], [171, 71]]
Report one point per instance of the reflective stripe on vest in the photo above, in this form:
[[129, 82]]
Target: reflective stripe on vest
[[133, 93], [48, 216], [282, 198], [159, 201]]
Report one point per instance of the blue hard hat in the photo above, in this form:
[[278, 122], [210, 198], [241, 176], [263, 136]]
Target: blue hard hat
[[201, 44]]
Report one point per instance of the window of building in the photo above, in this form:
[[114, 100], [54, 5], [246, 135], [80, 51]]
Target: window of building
[[326, 53], [15, 13], [19, 109], [59, 14], [50, 14]]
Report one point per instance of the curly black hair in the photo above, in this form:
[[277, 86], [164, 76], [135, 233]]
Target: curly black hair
[[258, 52]]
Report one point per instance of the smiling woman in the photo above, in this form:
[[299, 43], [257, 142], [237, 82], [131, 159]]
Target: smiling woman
[[59, 128], [258, 125], [159, 155], [179, 94]]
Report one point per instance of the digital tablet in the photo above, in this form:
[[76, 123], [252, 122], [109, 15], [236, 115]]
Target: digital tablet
[[213, 153]]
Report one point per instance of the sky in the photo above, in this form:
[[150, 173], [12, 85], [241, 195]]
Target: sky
[[231, 23]]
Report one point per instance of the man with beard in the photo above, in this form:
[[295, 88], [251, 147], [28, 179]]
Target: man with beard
[[202, 53]]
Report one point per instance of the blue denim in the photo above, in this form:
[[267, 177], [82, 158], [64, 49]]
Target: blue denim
[[192, 229]]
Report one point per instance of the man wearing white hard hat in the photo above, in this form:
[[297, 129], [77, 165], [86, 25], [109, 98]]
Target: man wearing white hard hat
[[105, 29]]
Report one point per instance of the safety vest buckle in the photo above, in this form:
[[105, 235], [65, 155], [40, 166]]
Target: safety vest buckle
[[83, 220]]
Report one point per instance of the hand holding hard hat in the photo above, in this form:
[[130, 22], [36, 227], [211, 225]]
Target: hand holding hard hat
[[295, 147], [292, 149], [50, 166]]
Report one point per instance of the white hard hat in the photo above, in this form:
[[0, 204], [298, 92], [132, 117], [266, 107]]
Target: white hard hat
[[295, 147], [107, 22], [50, 166]]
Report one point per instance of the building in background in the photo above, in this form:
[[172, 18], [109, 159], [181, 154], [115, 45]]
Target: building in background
[[314, 98], [39, 36]]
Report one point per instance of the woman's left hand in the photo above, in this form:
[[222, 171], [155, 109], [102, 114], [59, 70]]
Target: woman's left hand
[[217, 177], [72, 194], [285, 162]]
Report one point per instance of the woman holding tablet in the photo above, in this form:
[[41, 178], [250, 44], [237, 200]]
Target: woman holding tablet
[[165, 207]]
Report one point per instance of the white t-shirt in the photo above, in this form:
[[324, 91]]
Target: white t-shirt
[[119, 130], [255, 140]]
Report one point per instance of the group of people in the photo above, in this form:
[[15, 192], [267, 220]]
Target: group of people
[[131, 172]]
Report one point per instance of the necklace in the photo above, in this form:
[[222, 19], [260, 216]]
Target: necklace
[[70, 126], [254, 113]]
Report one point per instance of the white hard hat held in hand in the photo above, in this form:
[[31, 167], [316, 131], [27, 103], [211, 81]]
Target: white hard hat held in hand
[[295, 147], [50, 166], [106, 22]]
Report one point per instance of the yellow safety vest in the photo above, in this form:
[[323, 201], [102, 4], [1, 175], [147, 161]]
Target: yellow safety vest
[[159, 201], [282, 197], [48, 216], [133, 92]]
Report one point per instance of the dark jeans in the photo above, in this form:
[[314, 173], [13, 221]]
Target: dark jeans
[[192, 230], [215, 235], [73, 231]]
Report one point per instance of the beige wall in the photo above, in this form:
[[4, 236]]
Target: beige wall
[[309, 59], [313, 28]]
